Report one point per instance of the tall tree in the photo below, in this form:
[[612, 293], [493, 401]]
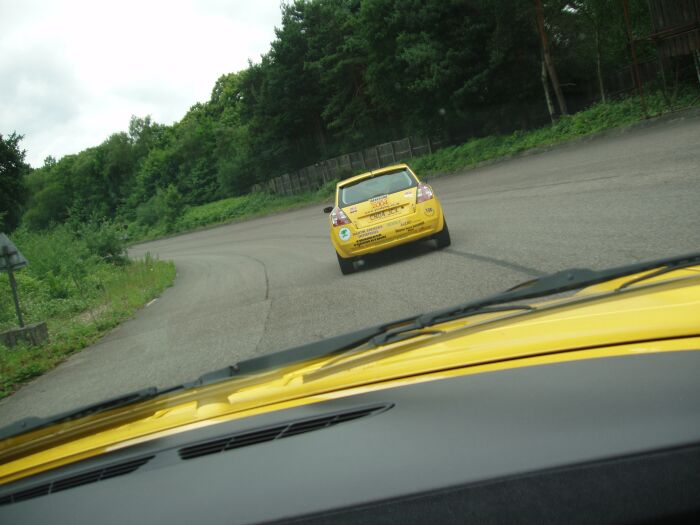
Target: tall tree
[[551, 69], [13, 190]]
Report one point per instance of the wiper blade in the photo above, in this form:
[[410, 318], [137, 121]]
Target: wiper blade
[[440, 316], [35, 423], [577, 278], [250, 366], [661, 271], [558, 282], [30, 424]]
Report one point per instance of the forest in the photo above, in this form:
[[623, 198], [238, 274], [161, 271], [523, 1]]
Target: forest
[[342, 75]]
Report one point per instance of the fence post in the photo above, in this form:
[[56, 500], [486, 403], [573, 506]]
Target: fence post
[[376, 152], [410, 147], [393, 152], [430, 148]]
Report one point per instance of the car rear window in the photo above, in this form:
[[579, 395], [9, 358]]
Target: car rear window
[[374, 186]]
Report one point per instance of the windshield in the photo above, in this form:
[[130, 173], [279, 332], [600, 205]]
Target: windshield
[[189, 201], [374, 186]]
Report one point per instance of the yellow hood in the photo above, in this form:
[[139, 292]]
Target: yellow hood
[[658, 314]]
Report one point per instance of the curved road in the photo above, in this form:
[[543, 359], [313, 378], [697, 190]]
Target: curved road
[[267, 284]]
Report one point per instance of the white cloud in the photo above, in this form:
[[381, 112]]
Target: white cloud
[[72, 73]]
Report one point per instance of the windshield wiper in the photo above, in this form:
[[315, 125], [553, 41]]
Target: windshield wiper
[[35, 423], [559, 282], [563, 281], [661, 271], [30, 424], [440, 316]]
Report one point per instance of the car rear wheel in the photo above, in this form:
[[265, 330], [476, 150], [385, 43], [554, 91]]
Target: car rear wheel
[[346, 265], [442, 239]]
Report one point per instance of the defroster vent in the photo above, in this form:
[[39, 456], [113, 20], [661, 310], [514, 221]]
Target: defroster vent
[[262, 435], [74, 481]]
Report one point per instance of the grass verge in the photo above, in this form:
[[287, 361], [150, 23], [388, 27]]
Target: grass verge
[[232, 209], [599, 117], [78, 294]]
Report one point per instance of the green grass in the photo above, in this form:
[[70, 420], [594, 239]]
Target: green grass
[[598, 118], [78, 294], [232, 209]]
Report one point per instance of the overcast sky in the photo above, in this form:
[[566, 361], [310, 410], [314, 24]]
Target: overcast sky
[[73, 72]]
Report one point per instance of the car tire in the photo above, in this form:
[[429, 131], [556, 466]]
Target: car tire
[[442, 239], [346, 265]]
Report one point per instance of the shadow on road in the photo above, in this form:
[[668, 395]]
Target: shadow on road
[[395, 255]]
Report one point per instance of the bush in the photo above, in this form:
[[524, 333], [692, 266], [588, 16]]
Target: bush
[[165, 207], [108, 295], [105, 239], [67, 270]]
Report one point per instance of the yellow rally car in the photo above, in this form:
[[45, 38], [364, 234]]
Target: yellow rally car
[[382, 209], [519, 407]]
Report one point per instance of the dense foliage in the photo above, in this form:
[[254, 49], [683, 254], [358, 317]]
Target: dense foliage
[[13, 191], [340, 75], [80, 283]]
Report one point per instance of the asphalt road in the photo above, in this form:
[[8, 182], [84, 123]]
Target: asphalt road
[[267, 284]]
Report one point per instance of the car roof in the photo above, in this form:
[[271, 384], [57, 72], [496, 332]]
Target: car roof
[[373, 173]]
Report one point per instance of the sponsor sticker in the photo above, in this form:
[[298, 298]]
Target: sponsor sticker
[[368, 232], [429, 211], [410, 228], [353, 209], [344, 234], [369, 240]]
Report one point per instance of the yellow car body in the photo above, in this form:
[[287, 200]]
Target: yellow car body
[[637, 314], [381, 209]]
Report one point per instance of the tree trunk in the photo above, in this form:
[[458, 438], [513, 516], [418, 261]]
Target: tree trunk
[[599, 68], [545, 86], [664, 81], [548, 59], [320, 135], [674, 97]]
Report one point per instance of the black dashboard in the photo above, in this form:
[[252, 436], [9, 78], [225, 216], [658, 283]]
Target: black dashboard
[[608, 440]]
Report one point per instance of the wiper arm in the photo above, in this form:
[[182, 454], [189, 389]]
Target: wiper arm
[[30, 424], [558, 282], [661, 271], [577, 278], [440, 316], [35, 423]]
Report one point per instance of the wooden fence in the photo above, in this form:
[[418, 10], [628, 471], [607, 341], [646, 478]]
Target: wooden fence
[[313, 177]]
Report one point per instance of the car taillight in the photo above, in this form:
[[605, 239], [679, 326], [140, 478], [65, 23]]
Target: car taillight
[[338, 217], [424, 193]]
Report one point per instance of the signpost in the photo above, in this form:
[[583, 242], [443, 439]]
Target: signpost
[[10, 260]]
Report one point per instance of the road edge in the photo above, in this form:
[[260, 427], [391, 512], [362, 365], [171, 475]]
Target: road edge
[[681, 114]]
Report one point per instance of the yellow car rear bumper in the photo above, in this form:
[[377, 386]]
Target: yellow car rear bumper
[[350, 241]]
